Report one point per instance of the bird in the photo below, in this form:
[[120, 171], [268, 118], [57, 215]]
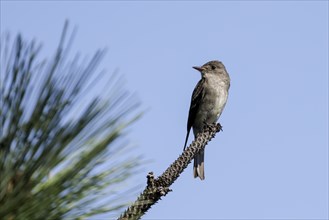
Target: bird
[[208, 100]]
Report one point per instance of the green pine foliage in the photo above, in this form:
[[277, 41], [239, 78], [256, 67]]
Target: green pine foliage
[[63, 150]]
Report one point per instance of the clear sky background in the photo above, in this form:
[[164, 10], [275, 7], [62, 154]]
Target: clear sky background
[[271, 161]]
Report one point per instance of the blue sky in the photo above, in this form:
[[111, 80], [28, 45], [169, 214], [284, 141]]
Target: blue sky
[[271, 161]]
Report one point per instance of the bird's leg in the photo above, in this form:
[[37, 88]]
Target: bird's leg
[[209, 125], [220, 127]]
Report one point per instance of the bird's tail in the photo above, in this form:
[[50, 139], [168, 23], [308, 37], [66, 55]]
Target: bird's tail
[[198, 168]]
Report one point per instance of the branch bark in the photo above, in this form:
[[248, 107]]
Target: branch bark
[[159, 187]]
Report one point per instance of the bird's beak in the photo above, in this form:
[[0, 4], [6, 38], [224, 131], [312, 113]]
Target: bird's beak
[[198, 68]]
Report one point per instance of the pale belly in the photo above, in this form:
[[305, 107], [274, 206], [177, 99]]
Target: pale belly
[[211, 107]]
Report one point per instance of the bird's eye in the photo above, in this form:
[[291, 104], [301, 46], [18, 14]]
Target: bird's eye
[[213, 67]]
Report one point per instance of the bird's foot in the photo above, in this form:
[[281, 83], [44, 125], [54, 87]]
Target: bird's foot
[[219, 127], [211, 126]]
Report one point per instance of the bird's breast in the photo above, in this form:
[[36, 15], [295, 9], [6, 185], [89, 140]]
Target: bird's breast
[[216, 97], [212, 104]]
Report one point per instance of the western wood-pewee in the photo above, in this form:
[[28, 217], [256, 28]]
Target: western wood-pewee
[[207, 103]]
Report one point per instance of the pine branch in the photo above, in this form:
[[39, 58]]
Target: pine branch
[[157, 188], [62, 133]]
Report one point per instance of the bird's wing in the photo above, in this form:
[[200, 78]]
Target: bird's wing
[[197, 96]]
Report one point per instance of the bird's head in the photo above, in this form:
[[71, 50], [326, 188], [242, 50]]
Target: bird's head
[[212, 67]]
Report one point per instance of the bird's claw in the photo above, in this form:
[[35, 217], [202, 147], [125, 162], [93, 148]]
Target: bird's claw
[[211, 126], [219, 127]]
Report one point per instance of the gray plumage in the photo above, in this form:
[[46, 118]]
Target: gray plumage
[[207, 103]]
